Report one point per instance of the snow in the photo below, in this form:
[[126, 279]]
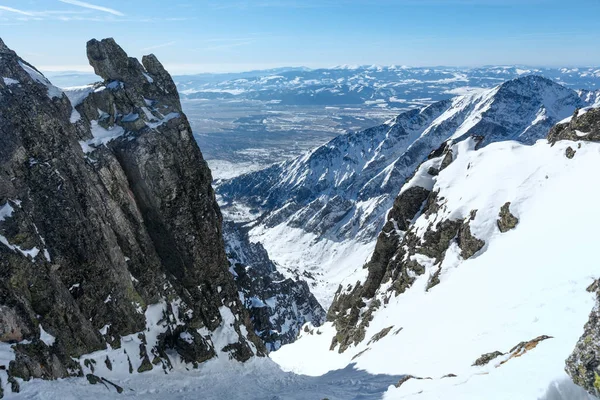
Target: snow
[[53, 91], [76, 95], [10, 81], [101, 136], [528, 282], [46, 337], [163, 120], [331, 240], [330, 262], [219, 379], [6, 211], [148, 78]]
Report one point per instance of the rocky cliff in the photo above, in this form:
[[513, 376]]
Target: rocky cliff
[[111, 238]]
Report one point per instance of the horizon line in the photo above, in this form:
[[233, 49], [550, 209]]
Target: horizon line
[[200, 69]]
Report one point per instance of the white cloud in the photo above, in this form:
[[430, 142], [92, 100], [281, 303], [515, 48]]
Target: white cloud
[[93, 7], [14, 10], [158, 46]]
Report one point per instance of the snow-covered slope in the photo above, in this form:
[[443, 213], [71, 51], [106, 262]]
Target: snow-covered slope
[[483, 294], [320, 213]]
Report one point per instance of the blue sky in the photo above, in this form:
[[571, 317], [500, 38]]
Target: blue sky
[[232, 35]]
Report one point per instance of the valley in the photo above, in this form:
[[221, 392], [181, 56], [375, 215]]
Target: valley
[[354, 232]]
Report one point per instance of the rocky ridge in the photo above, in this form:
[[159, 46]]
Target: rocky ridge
[[111, 234]]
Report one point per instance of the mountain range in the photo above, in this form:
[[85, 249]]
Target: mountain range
[[446, 253], [326, 208]]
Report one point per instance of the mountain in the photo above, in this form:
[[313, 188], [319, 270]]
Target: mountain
[[278, 306], [111, 247], [479, 284], [372, 86], [318, 215]]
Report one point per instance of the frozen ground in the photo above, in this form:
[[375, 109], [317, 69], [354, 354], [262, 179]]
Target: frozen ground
[[259, 379]]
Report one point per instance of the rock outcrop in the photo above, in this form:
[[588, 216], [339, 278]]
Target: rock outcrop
[[278, 306], [583, 365], [584, 125], [109, 227]]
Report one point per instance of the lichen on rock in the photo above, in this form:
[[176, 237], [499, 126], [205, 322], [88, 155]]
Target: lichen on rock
[[506, 220]]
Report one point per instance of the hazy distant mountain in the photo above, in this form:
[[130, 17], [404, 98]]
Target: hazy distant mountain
[[376, 86]]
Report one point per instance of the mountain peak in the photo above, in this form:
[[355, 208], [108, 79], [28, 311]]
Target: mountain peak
[[529, 84], [150, 80], [4, 48], [108, 59]]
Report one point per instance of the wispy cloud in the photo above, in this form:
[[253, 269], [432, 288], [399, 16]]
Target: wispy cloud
[[93, 7], [16, 11], [158, 46]]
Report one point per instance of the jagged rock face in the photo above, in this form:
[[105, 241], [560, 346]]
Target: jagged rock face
[[278, 306], [91, 239]]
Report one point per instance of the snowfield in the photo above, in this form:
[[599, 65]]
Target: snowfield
[[528, 282]]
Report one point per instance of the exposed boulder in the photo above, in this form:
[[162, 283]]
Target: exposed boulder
[[468, 243], [506, 220], [486, 358]]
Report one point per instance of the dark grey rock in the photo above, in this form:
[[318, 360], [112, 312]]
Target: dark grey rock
[[407, 205], [380, 335], [570, 153]]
